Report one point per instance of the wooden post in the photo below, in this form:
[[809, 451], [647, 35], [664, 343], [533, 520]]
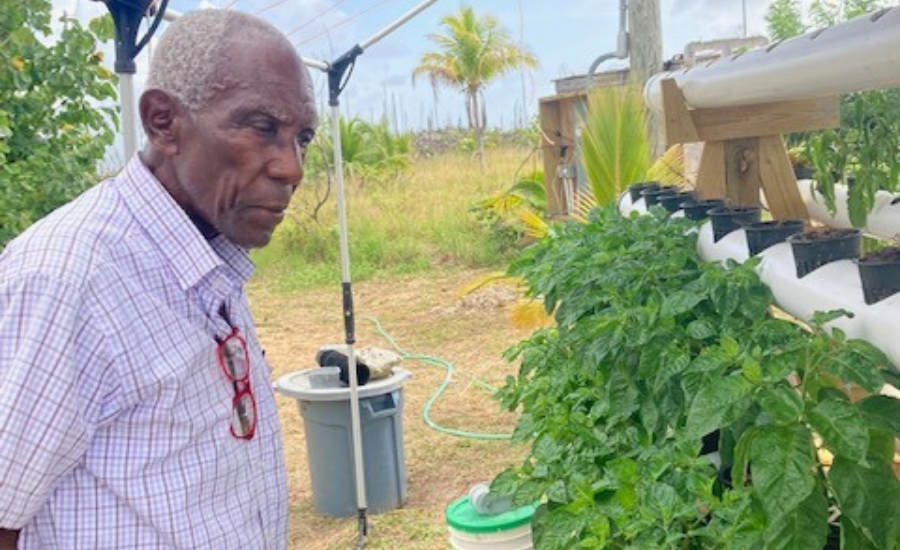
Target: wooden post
[[549, 120], [778, 180], [711, 173], [557, 123], [646, 57], [742, 172]]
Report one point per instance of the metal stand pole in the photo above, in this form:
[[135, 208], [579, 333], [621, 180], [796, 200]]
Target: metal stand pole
[[126, 100], [337, 79], [127, 15]]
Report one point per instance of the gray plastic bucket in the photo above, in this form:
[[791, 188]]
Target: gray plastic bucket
[[325, 408]]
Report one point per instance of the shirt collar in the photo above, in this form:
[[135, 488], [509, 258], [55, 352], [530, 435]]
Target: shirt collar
[[192, 257]]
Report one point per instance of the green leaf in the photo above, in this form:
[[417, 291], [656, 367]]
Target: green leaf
[[665, 498], [730, 347], [558, 529], [710, 360], [820, 318], [557, 492], [782, 403], [22, 37], [782, 466], [870, 497], [505, 483], [671, 362], [717, 404], [701, 329], [842, 427], [853, 537], [883, 410], [858, 362], [803, 528], [742, 455], [528, 492], [680, 302], [649, 416], [599, 531]]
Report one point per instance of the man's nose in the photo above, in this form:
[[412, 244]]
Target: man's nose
[[287, 166]]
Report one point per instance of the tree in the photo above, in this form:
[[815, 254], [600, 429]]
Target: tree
[[54, 128], [785, 19], [826, 13], [473, 51]]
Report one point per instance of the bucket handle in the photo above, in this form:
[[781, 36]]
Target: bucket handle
[[380, 406]]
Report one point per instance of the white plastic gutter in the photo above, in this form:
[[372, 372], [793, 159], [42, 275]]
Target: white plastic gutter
[[861, 54], [832, 286]]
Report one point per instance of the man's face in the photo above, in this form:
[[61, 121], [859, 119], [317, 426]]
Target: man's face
[[241, 158]]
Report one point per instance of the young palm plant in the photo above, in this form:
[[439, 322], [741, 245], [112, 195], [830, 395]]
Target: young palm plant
[[615, 148]]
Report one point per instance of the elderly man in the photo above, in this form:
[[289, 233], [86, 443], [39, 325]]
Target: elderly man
[[135, 403]]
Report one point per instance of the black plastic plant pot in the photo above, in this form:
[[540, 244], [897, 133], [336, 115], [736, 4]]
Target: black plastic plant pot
[[725, 220], [673, 202], [804, 172], [652, 196], [635, 189], [699, 210], [816, 247], [762, 235], [879, 273]]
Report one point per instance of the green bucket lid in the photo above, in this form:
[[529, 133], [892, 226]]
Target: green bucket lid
[[463, 517]]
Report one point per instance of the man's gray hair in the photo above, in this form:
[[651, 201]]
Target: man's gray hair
[[193, 54]]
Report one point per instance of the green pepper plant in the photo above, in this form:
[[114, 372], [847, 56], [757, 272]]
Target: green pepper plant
[[655, 352], [861, 154]]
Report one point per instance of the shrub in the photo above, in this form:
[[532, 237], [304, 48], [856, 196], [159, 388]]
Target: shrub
[[55, 119]]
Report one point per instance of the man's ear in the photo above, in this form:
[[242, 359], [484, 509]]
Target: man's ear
[[163, 119]]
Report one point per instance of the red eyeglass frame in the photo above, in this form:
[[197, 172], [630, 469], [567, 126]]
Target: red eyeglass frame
[[241, 384]]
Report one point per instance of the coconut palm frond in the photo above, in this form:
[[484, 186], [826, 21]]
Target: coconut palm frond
[[531, 191], [615, 146], [503, 204], [534, 224], [487, 279], [583, 206], [669, 168], [530, 315]]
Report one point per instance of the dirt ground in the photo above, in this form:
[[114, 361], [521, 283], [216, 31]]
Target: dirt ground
[[424, 315]]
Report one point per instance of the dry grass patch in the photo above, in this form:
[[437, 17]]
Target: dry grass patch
[[425, 315]]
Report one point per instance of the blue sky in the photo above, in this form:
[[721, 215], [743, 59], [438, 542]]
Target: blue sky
[[565, 36]]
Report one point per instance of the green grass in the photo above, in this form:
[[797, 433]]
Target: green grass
[[416, 221]]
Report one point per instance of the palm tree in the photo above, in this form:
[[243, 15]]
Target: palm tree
[[473, 51]]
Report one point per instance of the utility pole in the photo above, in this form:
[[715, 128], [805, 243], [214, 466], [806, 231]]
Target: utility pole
[[645, 47], [744, 6]]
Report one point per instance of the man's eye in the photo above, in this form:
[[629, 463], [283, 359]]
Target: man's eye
[[264, 127], [305, 138]]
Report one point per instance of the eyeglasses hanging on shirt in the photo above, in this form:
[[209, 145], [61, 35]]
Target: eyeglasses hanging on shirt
[[234, 359]]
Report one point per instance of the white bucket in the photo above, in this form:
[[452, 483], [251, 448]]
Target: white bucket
[[514, 539], [470, 530]]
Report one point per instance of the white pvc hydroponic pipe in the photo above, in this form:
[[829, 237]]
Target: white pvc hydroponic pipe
[[862, 54], [882, 221], [833, 286]]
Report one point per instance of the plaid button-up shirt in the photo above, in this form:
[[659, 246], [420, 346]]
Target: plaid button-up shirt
[[114, 414]]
